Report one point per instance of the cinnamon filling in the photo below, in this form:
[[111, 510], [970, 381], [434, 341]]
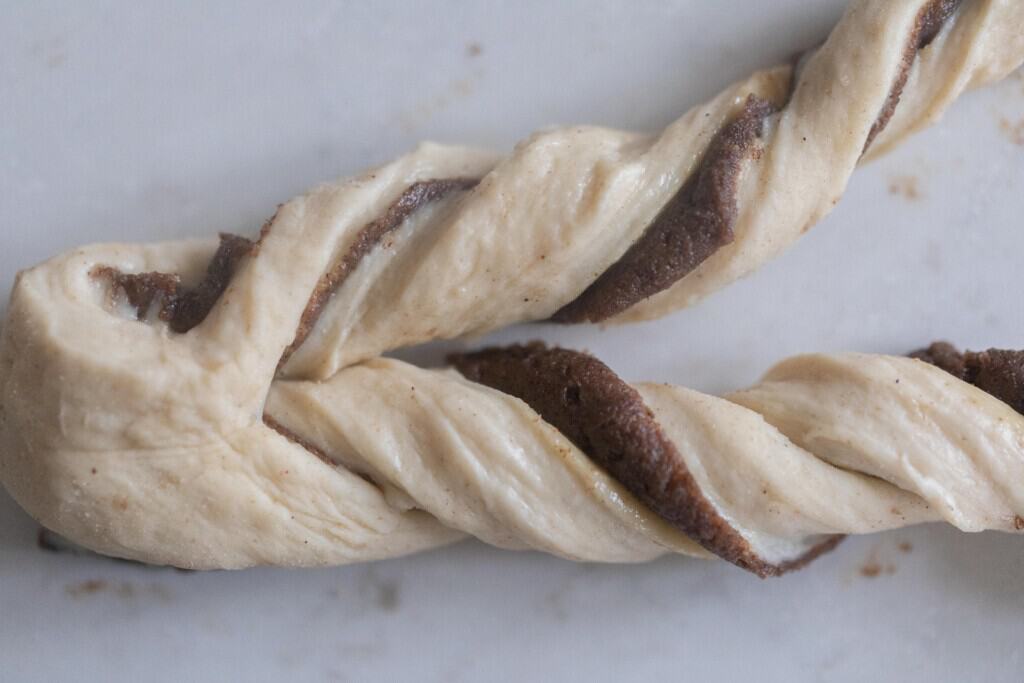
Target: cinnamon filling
[[997, 372], [296, 439], [184, 308], [699, 220], [694, 224], [181, 308], [417, 195], [930, 21], [608, 420], [309, 446]]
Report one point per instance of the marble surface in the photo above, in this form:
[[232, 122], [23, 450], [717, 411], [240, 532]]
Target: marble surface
[[149, 120]]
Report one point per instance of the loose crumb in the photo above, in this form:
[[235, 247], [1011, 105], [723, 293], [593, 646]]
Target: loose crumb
[[124, 590], [905, 186], [474, 49], [905, 547], [1013, 131], [90, 587], [873, 567], [870, 569]]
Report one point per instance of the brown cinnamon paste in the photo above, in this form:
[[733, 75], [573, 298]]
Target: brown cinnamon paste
[[931, 18], [699, 219], [997, 372], [417, 195], [181, 308], [694, 224], [608, 420], [930, 21]]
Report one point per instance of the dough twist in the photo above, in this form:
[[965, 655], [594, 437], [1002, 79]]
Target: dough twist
[[208, 406]]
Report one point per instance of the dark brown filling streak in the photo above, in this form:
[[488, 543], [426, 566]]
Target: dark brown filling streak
[[180, 307], [699, 219], [184, 308], [313, 449], [930, 20], [417, 195], [608, 420], [695, 223], [296, 439], [998, 372]]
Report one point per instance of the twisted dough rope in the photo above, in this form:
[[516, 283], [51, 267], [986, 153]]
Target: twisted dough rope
[[188, 440]]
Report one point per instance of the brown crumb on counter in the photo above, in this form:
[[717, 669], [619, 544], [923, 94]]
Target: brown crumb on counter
[[870, 569], [474, 49], [125, 590], [905, 546], [1013, 131], [905, 186], [874, 567], [89, 587]]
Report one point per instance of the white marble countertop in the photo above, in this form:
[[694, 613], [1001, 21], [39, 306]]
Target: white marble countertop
[[150, 120]]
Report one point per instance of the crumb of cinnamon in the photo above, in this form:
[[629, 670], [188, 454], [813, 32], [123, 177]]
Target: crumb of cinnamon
[[1013, 131], [870, 569], [89, 587], [905, 186]]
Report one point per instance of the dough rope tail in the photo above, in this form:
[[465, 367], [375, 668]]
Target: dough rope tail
[[224, 406], [767, 478]]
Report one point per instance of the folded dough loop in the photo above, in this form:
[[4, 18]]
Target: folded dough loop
[[222, 407]]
